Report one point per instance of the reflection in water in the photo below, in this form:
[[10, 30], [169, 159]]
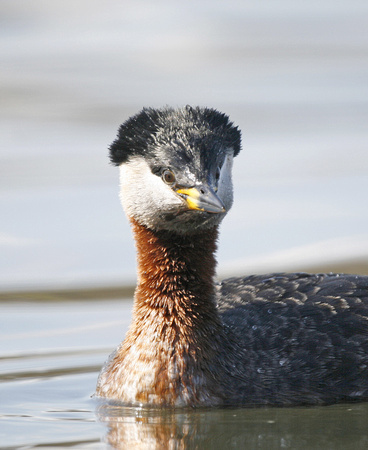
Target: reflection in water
[[338, 426]]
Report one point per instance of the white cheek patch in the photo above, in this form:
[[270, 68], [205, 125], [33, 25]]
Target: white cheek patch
[[225, 185], [143, 194]]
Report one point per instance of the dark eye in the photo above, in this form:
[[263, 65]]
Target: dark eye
[[217, 174], [168, 176]]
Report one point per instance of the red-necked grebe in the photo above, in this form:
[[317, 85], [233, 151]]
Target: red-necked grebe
[[277, 339]]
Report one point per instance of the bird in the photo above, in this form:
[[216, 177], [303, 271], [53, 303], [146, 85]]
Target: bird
[[260, 340]]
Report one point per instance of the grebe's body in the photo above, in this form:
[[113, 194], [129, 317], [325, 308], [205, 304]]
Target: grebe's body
[[279, 339]]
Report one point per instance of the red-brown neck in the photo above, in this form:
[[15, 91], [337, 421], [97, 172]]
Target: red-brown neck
[[170, 355], [175, 276], [175, 326]]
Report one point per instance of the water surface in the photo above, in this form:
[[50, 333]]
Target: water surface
[[50, 357], [292, 74]]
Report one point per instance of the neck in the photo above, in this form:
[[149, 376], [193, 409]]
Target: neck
[[175, 278], [170, 353]]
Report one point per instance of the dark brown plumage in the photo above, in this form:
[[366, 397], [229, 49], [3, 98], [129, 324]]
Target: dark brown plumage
[[304, 337]]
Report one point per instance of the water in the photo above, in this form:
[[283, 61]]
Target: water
[[51, 355], [50, 358], [292, 74]]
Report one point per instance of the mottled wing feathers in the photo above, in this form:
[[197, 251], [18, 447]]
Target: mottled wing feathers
[[340, 291], [304, 337]]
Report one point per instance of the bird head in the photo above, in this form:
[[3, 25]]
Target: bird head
[[175, 167]]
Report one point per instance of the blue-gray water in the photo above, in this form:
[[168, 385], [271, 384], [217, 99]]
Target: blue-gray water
[[49, 365], [293, 75]]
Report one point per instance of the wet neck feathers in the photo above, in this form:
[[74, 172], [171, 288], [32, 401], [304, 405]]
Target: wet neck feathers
[[175, 278], [170, 351]]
